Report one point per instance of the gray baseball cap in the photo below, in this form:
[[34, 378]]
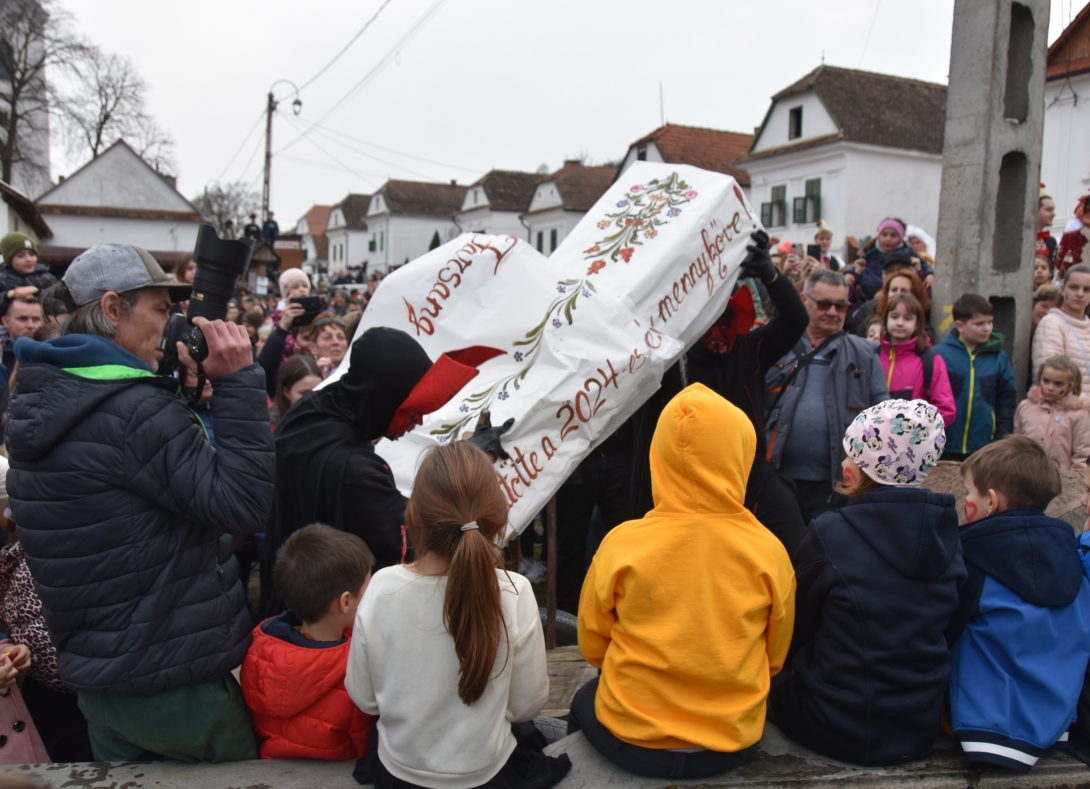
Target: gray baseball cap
[[120, 268]]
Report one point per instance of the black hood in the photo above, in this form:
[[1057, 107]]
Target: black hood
[[1031, 554], [914, 530], [386, 365]]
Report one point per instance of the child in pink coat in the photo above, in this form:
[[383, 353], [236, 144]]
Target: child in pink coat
[[904, 346], [1055, 416]]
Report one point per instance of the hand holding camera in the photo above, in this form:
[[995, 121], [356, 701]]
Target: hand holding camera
[[291, 311], [229, 349]]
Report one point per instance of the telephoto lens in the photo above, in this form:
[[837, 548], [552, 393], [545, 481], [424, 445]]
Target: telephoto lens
[[220, 263]]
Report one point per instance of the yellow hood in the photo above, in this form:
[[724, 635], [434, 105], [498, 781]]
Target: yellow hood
[[701, 455]]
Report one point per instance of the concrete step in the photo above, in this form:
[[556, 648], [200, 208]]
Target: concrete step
[[779, 763]]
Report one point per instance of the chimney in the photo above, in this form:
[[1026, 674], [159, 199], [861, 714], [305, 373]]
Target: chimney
[[453, 182], [60, 179], [573, 163], [171, 180]]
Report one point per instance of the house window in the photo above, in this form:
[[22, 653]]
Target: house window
[[798, 210], [813, 200], [794, 123], [774, 212], [371, 244], [540, 241], [342, 251], [641, 153], [474, 197], [382, 240], [552, 240]]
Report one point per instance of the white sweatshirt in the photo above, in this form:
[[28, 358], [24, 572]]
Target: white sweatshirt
[[403, 668]]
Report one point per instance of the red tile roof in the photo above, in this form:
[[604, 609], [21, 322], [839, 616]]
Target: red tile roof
[[418, 198], [708, 149], [876, 109], [317, 218], [508, 190], [581, 186], [1070, 53]]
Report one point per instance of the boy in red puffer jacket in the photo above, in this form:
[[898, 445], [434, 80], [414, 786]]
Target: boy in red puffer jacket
[[293, 675]]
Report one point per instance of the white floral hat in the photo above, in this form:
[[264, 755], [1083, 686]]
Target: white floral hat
[[897, 442]]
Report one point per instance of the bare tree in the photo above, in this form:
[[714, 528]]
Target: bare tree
[[233, 202], [34, 36], [104, 103]]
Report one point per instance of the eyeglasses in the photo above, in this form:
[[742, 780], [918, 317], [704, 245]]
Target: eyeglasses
[[823, 305], [326, 321]]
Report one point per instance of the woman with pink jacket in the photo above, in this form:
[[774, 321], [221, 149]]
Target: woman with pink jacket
[[903, 350], [1055, 416]]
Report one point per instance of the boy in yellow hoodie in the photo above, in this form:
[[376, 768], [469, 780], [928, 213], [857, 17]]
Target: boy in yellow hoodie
[[688, 612]]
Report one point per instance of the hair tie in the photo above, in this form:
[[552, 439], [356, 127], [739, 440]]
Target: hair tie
[[470, 525]]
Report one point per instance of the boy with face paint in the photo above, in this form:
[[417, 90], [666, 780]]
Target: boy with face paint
[[1020, 639]]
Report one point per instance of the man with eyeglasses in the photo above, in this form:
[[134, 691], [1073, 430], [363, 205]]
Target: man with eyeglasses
[[815, 391]]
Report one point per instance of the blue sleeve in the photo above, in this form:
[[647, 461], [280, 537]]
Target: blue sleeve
[[1006, 397]]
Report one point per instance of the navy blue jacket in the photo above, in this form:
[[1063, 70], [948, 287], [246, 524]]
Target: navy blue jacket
[[877, 585], [1021, 638], [125, 513]]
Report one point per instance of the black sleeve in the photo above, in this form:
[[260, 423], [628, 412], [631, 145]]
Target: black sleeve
[[812, 586], [968, 603], [170, 462], [778, 336], [374, 509], [270, 356]]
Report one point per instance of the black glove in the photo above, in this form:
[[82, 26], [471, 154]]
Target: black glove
[[758, 263], [488, 438]]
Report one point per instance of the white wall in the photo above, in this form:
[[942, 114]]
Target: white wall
[[403, 237], [885, 182], [792, 170], [545, 222], [653, 154], [156, 235], [1065, 157], [497, 223], [815, 122], [545, 196]]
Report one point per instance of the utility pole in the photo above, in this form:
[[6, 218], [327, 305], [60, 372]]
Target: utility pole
[[270, 108]]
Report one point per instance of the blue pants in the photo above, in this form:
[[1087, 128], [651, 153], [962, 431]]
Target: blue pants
[[647, 762]]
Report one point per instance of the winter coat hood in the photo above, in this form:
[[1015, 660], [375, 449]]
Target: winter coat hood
[[992, 345], [280, 665], [1069, 403], [1029, 553], [701, 455], [921, 542], [61, 381]]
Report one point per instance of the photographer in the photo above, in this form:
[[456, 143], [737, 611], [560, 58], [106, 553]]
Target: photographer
[[126, 512]]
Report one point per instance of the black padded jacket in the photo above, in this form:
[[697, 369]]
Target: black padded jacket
[[125, 512]]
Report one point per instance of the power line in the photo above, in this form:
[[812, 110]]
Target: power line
[[391, 53], [242, 145], [336, 57], [368, 155], [870, 30], [334, 158], [329, 130]]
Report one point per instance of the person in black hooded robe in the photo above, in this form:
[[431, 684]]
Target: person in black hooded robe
[[327, 470]]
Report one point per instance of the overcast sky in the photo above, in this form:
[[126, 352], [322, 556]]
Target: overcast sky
[[482, 84]]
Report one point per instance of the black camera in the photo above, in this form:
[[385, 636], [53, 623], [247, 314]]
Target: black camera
[[220, 263]]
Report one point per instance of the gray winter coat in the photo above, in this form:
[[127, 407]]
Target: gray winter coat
[[855, 382]]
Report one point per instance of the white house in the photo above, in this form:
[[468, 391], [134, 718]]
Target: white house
[[1065, 155], [708, 149], [311, 231], [851, 148], [560, 201], [407, 218], [118, 198], [347, 234], [494, 203]]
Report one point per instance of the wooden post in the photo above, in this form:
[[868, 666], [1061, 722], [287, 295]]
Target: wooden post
[[550, 544]]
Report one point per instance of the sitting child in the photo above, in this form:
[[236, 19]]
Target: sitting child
[[1021, 636], [294, 673], [1055, 416], [877, 585], [686, 657], [448, 650]]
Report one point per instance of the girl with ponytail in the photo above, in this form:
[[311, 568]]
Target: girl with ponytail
[[448, 651]]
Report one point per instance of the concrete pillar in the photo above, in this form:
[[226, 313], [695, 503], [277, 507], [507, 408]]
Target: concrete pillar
[[991, 164]]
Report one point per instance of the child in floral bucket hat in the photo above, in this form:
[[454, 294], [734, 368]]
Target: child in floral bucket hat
[[877, 585]]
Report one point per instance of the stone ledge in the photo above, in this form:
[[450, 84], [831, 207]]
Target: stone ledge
[[779, 763]]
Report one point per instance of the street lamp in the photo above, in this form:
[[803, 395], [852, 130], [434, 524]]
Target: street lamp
[[270, 108]]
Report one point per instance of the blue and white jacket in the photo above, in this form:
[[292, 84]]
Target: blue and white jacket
[[1020, 638]]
